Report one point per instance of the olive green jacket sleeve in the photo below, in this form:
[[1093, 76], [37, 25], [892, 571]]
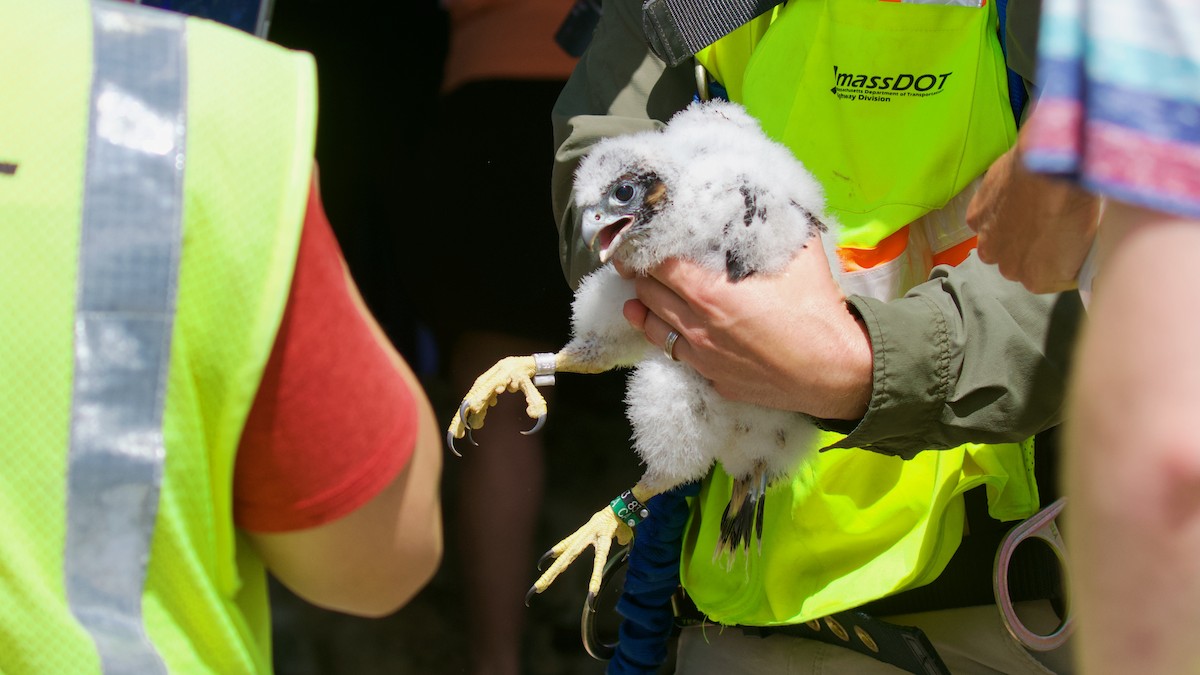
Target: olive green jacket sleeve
[[966, 356], [617, 87], [1021, 38]]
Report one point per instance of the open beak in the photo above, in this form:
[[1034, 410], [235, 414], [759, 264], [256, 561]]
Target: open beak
[[604, 237]]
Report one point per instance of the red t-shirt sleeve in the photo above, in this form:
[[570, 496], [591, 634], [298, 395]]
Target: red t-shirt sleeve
[[333, 422]]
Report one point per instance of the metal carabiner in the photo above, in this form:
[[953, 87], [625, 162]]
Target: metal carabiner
[[1041, 525]]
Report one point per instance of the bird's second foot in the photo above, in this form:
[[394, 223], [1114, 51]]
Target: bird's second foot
[[598, 532]]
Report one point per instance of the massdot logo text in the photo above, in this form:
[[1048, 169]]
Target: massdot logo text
[[875, 87]]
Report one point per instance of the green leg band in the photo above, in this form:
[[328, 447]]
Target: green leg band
[[628, 509]]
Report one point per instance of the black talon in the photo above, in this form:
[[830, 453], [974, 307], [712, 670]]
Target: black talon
[[546, 557], [530, 593], [537, 427], [595, 648], [462, 414]]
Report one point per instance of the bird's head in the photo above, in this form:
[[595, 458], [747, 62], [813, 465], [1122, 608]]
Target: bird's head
[[708, 186], [622, 213]]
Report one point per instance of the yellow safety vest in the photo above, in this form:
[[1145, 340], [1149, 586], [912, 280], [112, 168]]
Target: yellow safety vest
[[897, 108], [153, 180]]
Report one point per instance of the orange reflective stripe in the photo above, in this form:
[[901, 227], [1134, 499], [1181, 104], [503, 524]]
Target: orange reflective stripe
[[955, 254], [858, 259]]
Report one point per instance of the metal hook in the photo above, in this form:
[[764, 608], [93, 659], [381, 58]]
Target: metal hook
[[1041, 525]]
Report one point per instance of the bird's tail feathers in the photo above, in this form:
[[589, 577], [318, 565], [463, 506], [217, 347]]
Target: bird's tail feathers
[[742, 520]]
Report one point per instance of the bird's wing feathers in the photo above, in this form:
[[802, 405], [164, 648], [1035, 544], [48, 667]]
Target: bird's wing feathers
[[600, 335]]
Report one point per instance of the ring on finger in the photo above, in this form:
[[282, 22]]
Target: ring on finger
[[669, 345]]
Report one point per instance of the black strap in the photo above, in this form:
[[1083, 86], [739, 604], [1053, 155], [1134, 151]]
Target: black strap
[[905, 647], [677, 29]]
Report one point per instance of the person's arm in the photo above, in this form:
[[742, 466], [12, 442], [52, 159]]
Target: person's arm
[[374, 560], [964, 357], [1131, 454], [617, 87], [620, 87], [1035, 228], [337, 475], [1132, 461]]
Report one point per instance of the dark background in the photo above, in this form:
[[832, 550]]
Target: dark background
[[379, 66]]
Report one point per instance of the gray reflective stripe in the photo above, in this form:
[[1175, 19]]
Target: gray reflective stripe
[[128, 267]]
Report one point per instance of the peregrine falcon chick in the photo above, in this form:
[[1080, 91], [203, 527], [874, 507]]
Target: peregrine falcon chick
[[711, 187]]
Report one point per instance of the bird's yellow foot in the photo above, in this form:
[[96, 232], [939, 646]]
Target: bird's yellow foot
[[524, 373], [615, 521]]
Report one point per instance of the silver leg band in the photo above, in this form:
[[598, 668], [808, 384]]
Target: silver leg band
[[543, 374]]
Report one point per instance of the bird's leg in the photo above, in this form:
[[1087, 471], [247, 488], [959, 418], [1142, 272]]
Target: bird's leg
[[524, 373], [616, 520]]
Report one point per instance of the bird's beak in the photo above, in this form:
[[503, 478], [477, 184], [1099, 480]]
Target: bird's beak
[[603, 236]]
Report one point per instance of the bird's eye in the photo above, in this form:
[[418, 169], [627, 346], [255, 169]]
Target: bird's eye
[[623, 192]]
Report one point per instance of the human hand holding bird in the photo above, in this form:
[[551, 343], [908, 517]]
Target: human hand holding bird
[[786, 341]]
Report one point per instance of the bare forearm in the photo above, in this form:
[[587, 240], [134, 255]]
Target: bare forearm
[[1133, 456], [374, 560]]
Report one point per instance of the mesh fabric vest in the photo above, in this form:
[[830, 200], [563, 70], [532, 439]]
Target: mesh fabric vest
[[247, 114]]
